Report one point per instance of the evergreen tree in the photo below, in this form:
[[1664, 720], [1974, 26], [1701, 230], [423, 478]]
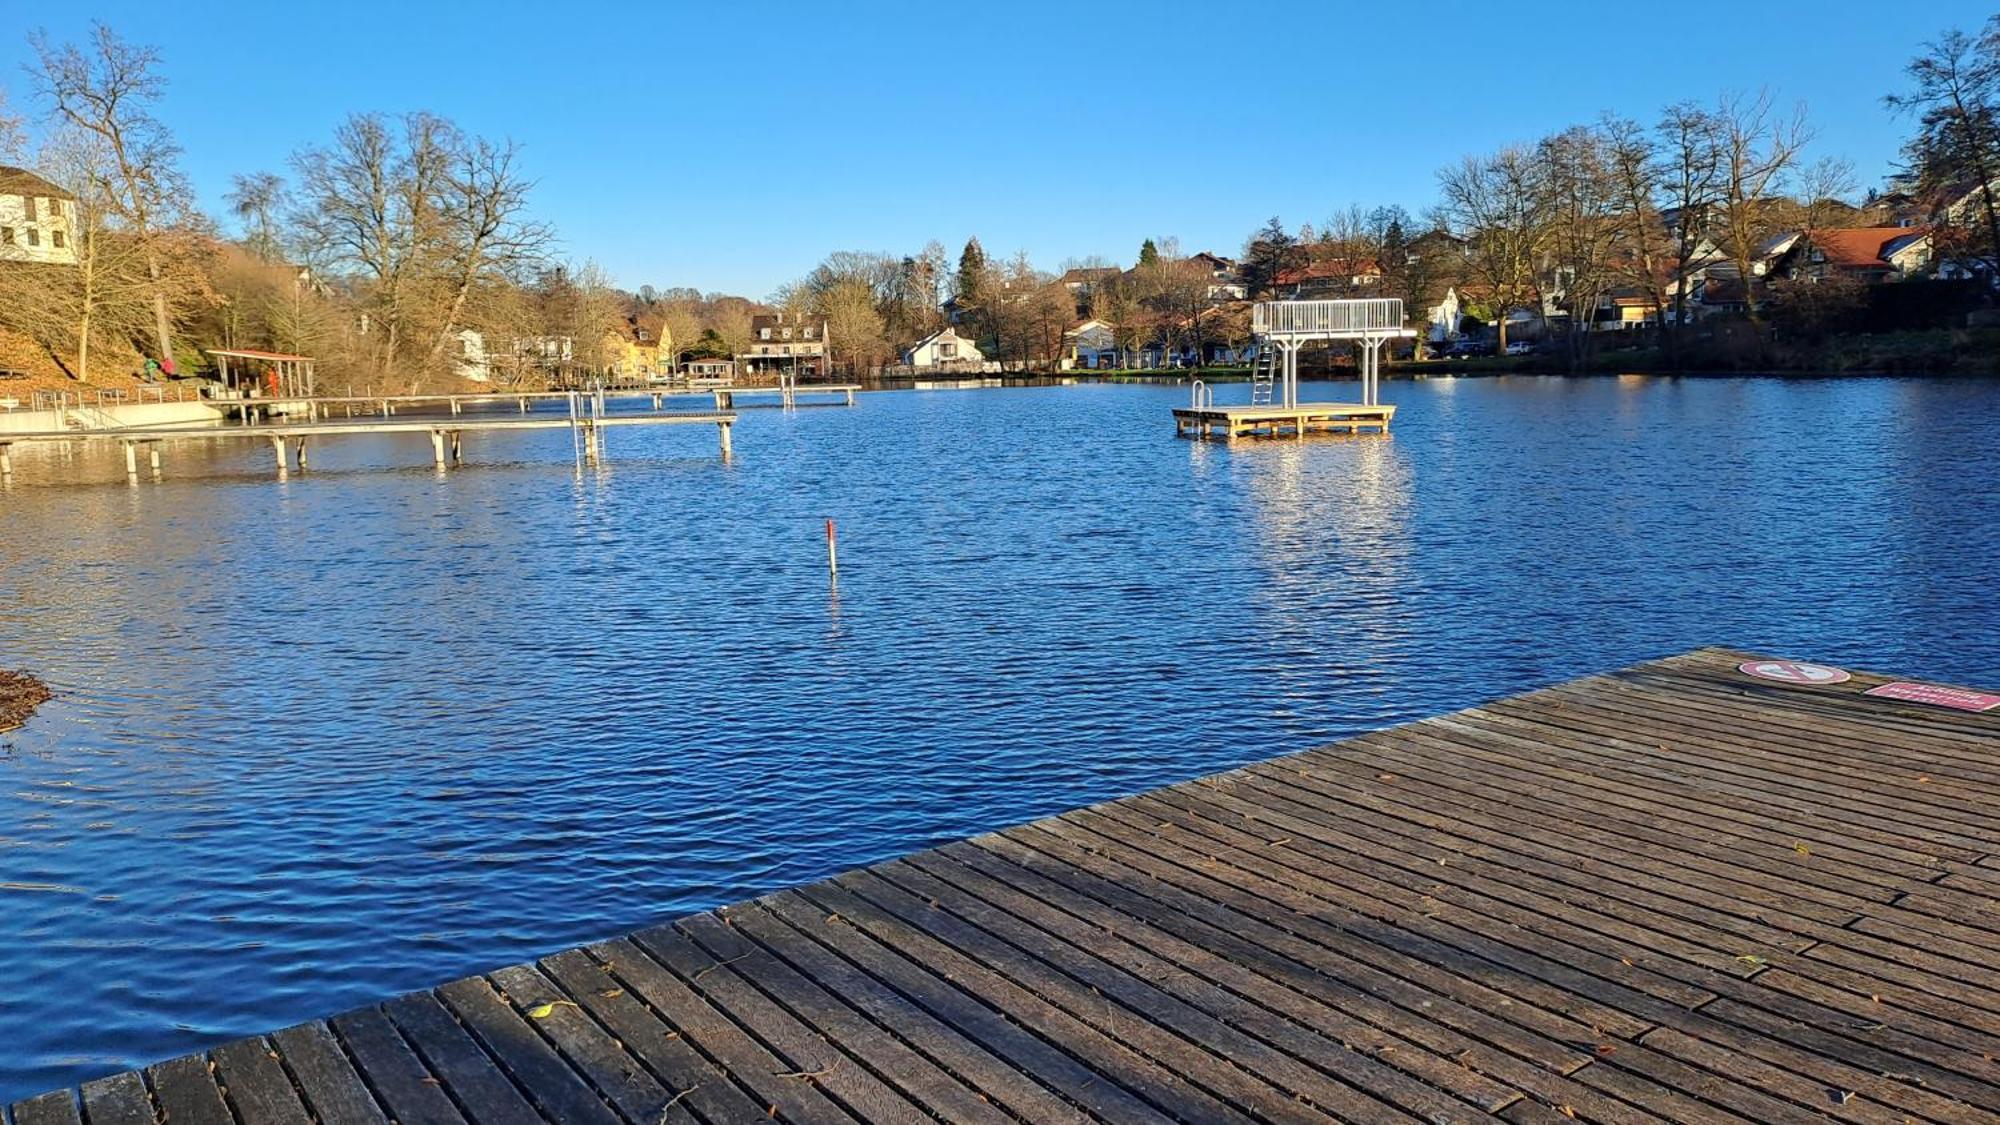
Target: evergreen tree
[[1149, 254], [971, 273]]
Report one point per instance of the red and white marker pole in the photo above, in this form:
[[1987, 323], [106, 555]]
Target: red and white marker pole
[[832, 552]]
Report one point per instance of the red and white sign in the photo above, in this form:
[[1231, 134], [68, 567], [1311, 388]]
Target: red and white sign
[[1957, 698], [1793, 672]]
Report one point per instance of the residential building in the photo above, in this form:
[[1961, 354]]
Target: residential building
[[1225, 278], [1330, 277], [712, 367], [1867, 254], [783, 344], [1092, 343], [943, 348], [37, 219]]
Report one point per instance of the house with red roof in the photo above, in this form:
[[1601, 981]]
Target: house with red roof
[[1868, 254]]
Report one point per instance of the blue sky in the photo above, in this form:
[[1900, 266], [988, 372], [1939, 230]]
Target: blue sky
[[730, 146]]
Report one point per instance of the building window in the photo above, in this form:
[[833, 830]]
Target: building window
[[56, 239], [28, 207], [6, 236], [788, 333], [763, 333], [34, 237]]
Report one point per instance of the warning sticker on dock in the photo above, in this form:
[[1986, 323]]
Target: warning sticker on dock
[[1793, 672], [1956, 698]]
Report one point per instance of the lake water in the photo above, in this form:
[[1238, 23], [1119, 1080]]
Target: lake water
[[323, 740]]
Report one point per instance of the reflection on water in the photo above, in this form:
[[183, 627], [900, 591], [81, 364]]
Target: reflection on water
[[322, 740]]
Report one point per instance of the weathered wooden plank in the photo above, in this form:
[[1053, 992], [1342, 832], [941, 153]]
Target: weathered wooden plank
[[912, 974], [556, 1089], [620, 1078], [473, 1078], [716, 1034], [406, 1086], [118, 1099], [186, 1091], [697, 1085], [1137, 1072], [256, 1083], [824, 1061], [1249, 1035], [332, 1089], [979, 1068], [915, 1075], [1504, 1051], [57, 1107]]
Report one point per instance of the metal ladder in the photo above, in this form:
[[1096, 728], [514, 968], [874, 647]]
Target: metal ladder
[[1263, 376]]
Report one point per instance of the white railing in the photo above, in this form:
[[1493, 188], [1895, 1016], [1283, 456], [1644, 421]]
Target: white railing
[[1324, 318]]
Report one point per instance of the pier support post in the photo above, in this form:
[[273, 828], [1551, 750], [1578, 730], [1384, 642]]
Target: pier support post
[[457, 450], [278, 448], [153, 455], [724, 427], [437, 447], [6, 460], [524, 404], [131, 459], [850, 396], [455, 409], [299, 451]]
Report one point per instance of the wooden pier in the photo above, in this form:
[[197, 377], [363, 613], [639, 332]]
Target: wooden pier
[[1670, 893], [288, 439], [1277, 420]]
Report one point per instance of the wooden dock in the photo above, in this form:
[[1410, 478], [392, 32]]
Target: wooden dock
[[1277, 420], [446, 434], [1670, 893]]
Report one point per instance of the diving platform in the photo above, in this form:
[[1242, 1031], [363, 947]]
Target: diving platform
[[1283, 329]]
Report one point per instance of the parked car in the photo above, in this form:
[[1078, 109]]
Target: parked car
[[1520, 347], [1461, 349]]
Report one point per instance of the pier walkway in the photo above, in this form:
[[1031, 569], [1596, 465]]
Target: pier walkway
[[1670, 893]]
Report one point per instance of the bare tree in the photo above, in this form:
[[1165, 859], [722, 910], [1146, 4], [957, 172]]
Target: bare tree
[[108, 92], [1690, 185], [1758, 148], [256, 200], [1497, 203], [1638, 181], [1955, 85], [1580, 189], [424, 217]]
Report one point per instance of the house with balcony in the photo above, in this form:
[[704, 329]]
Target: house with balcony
[[784, 344], [37, 219]]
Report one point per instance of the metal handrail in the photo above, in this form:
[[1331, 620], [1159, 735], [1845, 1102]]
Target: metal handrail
[[1314, 317], [1203, 396]]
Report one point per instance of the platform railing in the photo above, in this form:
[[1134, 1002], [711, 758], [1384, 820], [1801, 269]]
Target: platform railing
[[1307, 318]]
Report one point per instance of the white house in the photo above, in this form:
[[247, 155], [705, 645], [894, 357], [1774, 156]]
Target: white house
[[37, 219], [1092, 344], [942, 348]]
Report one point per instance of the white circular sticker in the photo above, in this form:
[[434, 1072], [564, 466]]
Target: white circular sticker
[[1793, 672]]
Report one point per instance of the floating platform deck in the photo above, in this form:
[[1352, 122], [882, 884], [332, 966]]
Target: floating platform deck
[[1278, 420], [1670, 893]]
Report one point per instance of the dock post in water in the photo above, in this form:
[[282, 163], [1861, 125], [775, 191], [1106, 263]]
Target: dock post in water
[[131, 460], [437, 447], [6, 461], [724, 427]]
